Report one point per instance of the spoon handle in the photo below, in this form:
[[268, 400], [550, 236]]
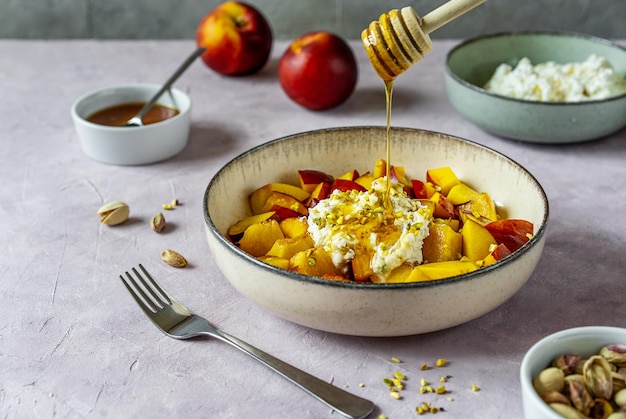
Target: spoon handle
[[144, 110]]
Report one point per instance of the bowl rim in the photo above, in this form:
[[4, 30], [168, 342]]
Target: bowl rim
[[155, 87], [566, 34], [537, 237]]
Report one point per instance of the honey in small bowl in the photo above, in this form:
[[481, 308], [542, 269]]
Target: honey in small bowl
[[118, 115]]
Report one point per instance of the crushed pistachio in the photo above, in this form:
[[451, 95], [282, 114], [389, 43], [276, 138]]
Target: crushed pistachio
[[440, 362], [399, 375], [396, 360], [424, 366], [475, 387]]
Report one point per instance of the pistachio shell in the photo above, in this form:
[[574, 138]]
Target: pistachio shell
[[555, 397], [619, 382], [578, 394], [173, 258], [158, 222], [601, 409], [598, 377], [114, 213], [566, 362], [615, 354]]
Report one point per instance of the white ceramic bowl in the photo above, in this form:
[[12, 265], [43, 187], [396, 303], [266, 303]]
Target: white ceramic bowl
[[373, 309], [132, 145], [470, 65], [583, 341]]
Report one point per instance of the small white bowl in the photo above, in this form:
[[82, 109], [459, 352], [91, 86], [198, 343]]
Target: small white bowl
[[132, 145], [471, 64], [365, 309], [583, 341]]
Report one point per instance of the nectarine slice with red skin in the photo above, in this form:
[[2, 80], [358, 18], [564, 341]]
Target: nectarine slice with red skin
[[310, 178], [419, 189], [512, 233], [346, 185]]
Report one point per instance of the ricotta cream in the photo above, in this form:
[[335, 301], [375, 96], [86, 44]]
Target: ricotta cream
[[353, 221], [592, 79]]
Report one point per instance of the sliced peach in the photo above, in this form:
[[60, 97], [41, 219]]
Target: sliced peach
[[320, 192], [442, 244], [477, 241], [275, 261], [240, 226], [443, 207], [285, 201], [260, 237], [498, 253], [259, 197], [440, 270], [351, 175], [481, 209], [380, 169], [313, 262], [443, 177], [419, 189], [365, 180], [399, 274], [346, 185], [512, 233], [397, 174], [461, 193], [294, 227], [289, 246], [309, 179]]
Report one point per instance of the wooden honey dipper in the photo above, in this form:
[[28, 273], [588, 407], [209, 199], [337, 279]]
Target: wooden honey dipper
[[400, 38]]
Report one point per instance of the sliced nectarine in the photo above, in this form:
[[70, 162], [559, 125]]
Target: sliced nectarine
[[442, 244], [443, 207], [260, 237], [346, 185], [350, 175], [313, 262], [440, 270], [513, 233], [275, 261], [365, 180], [285, 201], [482, 209], [461, 193], [443, 177], [259, 197], [477, 240], [289, 246], [294, 226], [240, 226], [309, 179], [380, 168]]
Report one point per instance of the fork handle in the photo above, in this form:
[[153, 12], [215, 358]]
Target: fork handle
[[340, 400]]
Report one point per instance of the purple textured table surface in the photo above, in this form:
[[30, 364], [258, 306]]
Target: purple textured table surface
[[74, 344]]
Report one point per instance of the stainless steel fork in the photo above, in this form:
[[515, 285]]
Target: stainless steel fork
[[176, 321]]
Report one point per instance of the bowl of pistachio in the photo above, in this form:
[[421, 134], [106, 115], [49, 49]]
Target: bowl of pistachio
[[576, 373]]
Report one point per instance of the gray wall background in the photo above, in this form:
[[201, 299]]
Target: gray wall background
[[178, 19]]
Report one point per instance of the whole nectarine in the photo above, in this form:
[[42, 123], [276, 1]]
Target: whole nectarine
[[237, 37], [318, 70]]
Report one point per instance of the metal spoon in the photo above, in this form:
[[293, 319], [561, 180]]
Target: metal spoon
[[136, 121]]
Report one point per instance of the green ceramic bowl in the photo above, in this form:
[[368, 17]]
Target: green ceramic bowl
[[470, 64]]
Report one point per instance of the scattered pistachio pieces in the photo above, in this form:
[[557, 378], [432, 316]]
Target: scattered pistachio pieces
[[399, 375], [396, 360], [361, 385], [171, 205], [424, 366], [173, 258], [475, 387], [440, 362], [158, 222], [114, 213]]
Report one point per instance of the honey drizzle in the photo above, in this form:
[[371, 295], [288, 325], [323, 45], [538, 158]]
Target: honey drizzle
[[387, 198]]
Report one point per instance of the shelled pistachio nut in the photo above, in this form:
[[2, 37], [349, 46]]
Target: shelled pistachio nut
[[173, 258], [114, 213]]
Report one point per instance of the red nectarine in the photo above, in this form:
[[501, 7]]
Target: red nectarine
[[237, 38], [318, 70]]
